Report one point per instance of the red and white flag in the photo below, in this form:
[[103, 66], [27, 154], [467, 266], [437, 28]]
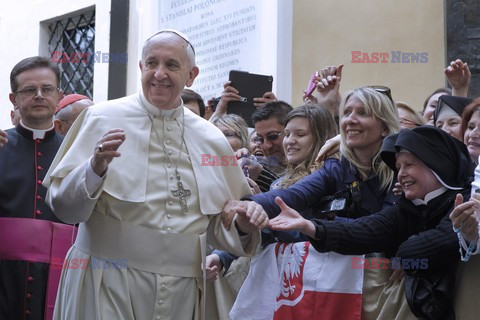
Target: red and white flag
[[294, 281]]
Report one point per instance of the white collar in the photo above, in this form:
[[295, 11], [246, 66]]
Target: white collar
[[429, 196], [37, 133], [156, 112]]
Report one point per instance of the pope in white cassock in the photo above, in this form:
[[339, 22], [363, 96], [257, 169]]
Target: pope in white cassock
[[146, 216]]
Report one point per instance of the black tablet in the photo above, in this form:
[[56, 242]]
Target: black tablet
[[249, 86]]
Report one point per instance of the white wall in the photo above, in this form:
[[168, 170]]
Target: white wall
[[23, 34], [273, 54]]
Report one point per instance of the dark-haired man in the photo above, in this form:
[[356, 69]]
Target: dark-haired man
[[269, 124], [194, 102], [28, 229]]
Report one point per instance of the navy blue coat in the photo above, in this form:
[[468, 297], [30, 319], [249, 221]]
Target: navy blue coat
[[305, 195]]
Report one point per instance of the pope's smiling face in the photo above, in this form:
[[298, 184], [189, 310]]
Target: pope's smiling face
[[166, 70]]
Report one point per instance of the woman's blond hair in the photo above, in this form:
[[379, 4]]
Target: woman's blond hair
[[380, 107]]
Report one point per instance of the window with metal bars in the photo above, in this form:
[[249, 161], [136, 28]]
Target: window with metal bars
[[71, 45]]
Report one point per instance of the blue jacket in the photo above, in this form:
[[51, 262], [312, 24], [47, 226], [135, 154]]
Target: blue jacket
[[305, 195], [334, 176]]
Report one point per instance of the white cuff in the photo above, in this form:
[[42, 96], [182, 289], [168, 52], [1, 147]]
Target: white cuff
[[92, 180]]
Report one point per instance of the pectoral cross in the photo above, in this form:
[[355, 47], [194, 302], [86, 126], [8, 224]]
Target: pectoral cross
[[182, 194]]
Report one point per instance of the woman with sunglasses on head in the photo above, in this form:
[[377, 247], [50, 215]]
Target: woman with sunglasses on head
[[366, 118], [409, 117], [434, 169]]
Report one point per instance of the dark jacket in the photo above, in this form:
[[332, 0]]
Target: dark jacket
[[305, 195], [406, 231], [23, 165]]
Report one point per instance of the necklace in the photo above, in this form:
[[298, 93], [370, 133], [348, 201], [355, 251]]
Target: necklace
[[180, 192]]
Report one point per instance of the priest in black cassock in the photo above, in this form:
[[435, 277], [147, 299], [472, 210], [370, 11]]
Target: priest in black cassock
[[30, 235]]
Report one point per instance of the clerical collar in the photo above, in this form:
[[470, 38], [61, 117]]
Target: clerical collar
[[156, 112], [37, 133], [429, 196]]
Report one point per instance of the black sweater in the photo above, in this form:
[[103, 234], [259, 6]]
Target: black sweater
[[404, 230]]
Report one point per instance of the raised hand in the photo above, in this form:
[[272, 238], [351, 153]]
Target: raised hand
[[464, 218], [328, 88], [458, 75], [290, 220], [267, 97], [229, 94], [106, 149]]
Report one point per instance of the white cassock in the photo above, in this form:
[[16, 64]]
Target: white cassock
[[138, 254]]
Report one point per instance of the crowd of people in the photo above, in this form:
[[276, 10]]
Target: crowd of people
[[161, 206]]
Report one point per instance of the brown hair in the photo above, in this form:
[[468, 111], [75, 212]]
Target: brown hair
[[468, 113], [323, 127], [29, 64]]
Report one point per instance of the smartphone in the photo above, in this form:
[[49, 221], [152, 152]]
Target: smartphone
[[312, 84]]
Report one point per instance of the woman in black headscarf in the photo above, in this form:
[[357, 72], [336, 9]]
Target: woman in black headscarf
[[448, 115], [432, 168]]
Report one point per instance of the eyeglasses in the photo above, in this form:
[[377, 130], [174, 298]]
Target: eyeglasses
[[270, 137], [384, 90], [32, 91]]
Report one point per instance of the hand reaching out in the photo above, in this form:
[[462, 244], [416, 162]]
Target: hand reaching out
[[290, 220]]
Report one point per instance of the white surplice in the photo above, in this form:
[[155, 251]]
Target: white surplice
[[149, 249]]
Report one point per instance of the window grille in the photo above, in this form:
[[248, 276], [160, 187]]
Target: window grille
[[71, 45]]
